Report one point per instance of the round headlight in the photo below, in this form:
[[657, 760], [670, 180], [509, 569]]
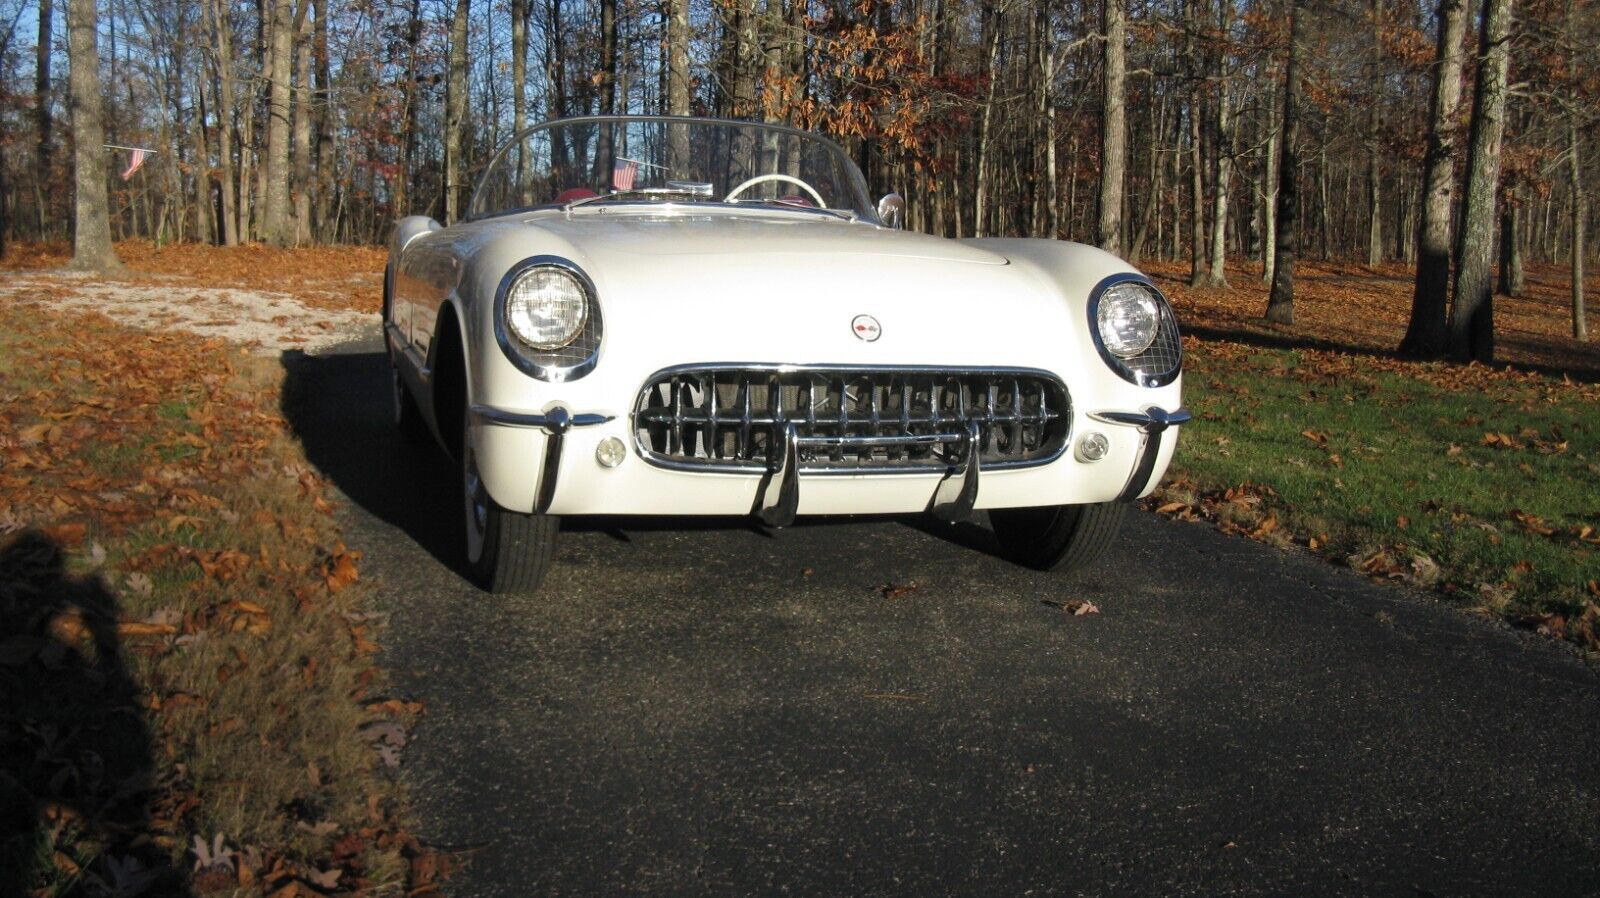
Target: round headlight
[[546, 308], [1130, 316]]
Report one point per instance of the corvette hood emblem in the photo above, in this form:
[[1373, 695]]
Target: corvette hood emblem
[[866, 327]]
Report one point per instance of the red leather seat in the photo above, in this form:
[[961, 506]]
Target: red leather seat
[[574, 193]]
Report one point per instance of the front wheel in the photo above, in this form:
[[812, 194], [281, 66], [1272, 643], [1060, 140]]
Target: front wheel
[[507, 552], [1057, 537]]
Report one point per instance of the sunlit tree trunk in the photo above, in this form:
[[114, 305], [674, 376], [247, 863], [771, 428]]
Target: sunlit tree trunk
[[677, 79], [1221, 174], [1269, 194], [519, 94], [91, 220], [1472, 306], [980, 205], [1425, 335], [455, 111], [301, 190], [1113, 125], [277, 228]]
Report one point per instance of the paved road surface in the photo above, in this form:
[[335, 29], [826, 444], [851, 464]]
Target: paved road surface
[[684, 711]]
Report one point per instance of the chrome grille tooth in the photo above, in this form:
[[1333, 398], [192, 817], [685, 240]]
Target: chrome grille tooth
[[744, 418], [713, 449], [675, 425]]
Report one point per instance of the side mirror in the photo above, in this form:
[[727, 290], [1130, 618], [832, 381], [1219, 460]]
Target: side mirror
[[892, 210]]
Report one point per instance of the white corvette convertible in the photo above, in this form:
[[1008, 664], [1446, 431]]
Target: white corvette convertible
[[666, 316]]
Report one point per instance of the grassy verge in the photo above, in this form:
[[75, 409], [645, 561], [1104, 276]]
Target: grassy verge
[[184, 648], [1483, 484]]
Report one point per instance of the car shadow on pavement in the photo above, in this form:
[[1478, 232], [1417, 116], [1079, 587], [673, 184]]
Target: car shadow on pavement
[[338, 405]]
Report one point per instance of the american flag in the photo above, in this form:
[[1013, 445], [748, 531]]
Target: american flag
[[622, 174], [134, 161]]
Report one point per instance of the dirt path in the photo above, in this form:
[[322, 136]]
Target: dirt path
[[264, 322]]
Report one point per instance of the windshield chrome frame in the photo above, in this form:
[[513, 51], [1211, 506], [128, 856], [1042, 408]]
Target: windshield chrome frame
[[867, 214]]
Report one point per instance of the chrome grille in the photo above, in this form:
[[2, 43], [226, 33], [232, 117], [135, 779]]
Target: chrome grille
[[849, 419]]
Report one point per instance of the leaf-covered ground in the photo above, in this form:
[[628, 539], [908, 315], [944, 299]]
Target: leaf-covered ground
[[1480, 483], [185, 649]]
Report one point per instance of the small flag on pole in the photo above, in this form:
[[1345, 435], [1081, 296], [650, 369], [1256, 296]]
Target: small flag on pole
[[134, 161], [623, 172]]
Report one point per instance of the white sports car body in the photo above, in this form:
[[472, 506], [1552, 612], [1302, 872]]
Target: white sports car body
[[650, 316]]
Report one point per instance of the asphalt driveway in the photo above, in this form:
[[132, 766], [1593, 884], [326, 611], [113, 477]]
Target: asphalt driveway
[[695, 708]]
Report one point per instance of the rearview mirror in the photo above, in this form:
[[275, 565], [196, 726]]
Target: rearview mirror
[[892, 210]]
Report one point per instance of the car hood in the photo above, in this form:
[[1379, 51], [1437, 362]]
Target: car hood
[[788, 288]]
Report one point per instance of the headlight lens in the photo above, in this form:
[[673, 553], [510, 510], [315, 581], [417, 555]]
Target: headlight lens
[[546, 308], [1129, 317]]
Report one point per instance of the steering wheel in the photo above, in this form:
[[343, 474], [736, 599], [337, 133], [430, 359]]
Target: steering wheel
[[775, 176]]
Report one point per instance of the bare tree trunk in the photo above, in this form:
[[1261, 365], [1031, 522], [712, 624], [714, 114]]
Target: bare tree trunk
[[1269, 196], [248, 214], [1511, 279], [1151, 212], [1374, 151], [276, 227], [519, 95], [408, 143], [325, 180], [1472, 308], [203, 204], [222, 39], [1047, 65], [41, 112], [607, 86], [677, 79], [1425, 335], [1113, 125], [1580, 324], [91, 220], [455, 110], [1280, 304], [1197, 194], [1222, 172], [300, 190], [980, 206]]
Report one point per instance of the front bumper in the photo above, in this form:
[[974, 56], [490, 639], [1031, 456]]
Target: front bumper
[[545, 462]]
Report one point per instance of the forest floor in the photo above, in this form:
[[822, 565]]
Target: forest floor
[[186, 645]]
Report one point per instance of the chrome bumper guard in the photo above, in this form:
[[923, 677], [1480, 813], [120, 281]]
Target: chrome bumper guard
[[778, 497], [555, 421], [1151, 423]]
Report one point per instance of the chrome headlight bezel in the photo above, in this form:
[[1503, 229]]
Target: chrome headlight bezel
[[1157, 364], [568, 360]]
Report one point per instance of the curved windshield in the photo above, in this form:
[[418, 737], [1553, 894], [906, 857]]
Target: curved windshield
[[596, 160]]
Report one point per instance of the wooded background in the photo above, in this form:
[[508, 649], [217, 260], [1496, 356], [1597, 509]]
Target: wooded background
[[1448, 134]]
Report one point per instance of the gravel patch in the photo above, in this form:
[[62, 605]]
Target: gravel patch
[[264, 322]]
